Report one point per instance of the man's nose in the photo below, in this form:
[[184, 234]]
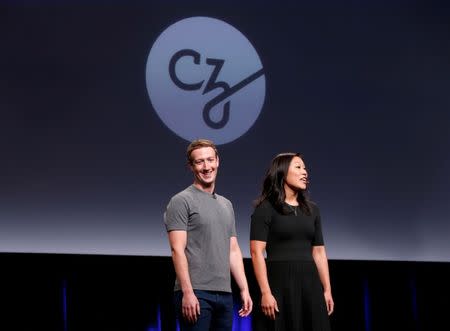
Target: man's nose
[[206, 165]]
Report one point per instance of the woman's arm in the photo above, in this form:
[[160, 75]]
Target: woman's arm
[[320, 258], [268, 303]]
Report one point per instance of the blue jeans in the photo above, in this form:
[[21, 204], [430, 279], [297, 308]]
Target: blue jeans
[[216, 311]]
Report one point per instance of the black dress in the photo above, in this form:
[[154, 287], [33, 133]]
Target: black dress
[[291, 270]]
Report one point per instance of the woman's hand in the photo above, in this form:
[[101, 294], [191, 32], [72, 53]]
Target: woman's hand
[[269, 305], [329, 302]]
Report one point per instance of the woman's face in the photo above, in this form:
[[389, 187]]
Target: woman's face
[[297, 176]]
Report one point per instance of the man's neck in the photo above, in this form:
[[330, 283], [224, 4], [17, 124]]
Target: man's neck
[[208, 189]]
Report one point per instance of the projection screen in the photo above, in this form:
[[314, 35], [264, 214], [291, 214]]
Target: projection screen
[[99, 102]]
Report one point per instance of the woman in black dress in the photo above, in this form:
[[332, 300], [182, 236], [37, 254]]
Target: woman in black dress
[[294, 279]]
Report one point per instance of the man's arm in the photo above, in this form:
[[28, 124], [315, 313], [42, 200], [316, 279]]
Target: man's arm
[[190, 305], [238, 272]]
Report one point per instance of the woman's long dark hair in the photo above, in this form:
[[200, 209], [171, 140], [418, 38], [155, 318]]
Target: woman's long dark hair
[[273, 185]]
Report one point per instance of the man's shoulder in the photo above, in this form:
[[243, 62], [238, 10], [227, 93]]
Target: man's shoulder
[[224, 199], [183, 196]]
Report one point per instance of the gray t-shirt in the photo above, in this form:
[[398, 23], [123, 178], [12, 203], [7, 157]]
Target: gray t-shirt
[[209, 222]]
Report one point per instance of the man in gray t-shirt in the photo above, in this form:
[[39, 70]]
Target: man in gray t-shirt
[[202, 236]]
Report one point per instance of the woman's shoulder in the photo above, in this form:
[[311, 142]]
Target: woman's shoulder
[[314, 207], [265, 204], [263, 207]]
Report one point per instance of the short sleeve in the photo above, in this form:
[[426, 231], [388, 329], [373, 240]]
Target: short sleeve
[[233, 227], [318, 236], [176, 215], [260, 222]]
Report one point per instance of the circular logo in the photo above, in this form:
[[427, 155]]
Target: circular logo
[[205, 80]]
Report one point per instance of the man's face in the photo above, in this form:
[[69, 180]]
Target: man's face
[[204, 166]]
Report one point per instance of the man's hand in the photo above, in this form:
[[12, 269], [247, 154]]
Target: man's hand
[[247, 304], [190, 307]]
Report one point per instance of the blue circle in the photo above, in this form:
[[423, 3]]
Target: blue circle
[[205, 80]]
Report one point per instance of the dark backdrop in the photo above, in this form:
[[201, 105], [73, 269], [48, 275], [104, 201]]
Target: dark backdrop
[[359, 88]]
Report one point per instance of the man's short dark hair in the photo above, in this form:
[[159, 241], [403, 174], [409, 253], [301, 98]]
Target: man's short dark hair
[[199, 143]]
